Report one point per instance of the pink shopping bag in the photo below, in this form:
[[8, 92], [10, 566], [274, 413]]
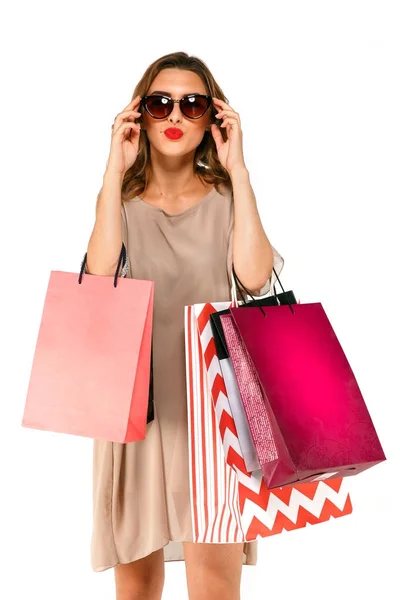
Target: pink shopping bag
[[308, 417], [229, 503], [91, 367]]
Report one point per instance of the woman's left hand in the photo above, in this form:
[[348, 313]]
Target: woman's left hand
[[230, 153]]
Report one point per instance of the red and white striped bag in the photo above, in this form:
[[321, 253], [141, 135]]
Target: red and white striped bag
[[229, 503]]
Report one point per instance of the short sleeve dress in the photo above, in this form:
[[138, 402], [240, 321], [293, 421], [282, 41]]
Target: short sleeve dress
[[141, 493]]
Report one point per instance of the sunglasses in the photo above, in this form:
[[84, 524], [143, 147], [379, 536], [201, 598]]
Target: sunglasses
[[193, 106]]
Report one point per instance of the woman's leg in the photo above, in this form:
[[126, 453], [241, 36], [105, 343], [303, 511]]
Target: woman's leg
[[142, 579], [213, 571]]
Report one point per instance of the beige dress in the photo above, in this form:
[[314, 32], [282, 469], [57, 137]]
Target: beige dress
[[141, 494]]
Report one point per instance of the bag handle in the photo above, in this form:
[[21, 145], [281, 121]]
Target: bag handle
[[121, 260], [235, 286]]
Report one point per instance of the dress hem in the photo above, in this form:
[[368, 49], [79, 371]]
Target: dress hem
[[103, 568]]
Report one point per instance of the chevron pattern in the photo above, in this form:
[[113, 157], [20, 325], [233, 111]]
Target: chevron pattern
[[230, 504]]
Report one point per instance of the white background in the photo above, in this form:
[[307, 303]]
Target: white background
[[316, 85]]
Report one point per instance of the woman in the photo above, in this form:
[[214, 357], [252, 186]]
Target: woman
[[177, 192]]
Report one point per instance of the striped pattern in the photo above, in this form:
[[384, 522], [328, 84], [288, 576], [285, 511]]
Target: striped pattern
[[228, 503], [213, 483]]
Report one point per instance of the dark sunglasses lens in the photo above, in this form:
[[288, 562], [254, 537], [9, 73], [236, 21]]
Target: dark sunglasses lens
[[194, 106], [158, 106]]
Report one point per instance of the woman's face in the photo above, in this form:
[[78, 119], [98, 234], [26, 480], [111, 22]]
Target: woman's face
[[176, 83]]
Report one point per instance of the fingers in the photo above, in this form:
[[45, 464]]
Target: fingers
[[133, 104], [127, 114], [125, 129]]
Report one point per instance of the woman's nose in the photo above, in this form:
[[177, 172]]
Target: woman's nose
[[176, 112]]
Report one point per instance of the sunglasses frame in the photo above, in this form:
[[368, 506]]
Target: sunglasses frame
[[143, 103]]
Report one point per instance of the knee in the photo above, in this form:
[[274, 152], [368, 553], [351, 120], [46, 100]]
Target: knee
[[147, 585], [144, 590], [215, 586]]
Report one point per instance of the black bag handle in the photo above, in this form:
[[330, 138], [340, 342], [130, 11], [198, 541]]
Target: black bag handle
[[121, 261], [256, 300]]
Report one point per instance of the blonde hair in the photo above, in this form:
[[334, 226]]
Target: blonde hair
[[206, 164]]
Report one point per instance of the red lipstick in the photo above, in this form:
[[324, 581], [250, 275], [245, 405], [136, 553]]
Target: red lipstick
[[173, 133]]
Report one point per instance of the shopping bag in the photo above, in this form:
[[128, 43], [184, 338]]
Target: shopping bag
[[90, 374], [304, 395], [238, 407], [229, 503], [244, 437]]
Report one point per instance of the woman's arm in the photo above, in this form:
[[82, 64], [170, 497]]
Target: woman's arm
[[105, 242], [253, 255]]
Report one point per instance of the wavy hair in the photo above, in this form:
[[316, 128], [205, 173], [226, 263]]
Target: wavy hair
[[206, 163]]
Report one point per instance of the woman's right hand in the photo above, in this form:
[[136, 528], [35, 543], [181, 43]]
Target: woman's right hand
[[125, 139]]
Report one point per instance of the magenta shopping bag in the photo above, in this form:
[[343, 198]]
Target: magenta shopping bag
[[314, 421]]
